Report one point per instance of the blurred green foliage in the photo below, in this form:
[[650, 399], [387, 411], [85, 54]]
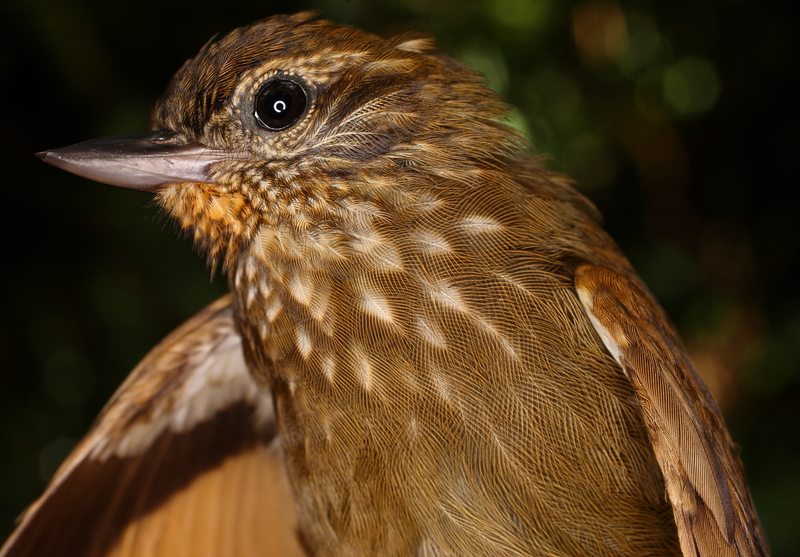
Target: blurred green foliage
[[677, 118]]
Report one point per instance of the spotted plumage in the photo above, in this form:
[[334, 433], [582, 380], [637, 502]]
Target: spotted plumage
[[454, 356]]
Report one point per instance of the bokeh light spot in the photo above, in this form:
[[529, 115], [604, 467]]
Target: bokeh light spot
[[691, 85], [526, 15]]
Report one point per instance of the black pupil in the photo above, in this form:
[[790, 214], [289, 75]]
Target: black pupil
[[279, 104]]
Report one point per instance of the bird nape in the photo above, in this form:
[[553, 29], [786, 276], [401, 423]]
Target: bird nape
[[430, 346]]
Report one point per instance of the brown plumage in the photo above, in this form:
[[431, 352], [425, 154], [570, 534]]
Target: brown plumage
[[461, 360]]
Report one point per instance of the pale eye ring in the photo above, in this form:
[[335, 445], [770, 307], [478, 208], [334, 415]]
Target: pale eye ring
[[280, 103]]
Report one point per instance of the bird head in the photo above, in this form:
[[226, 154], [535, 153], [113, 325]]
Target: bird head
[[295, 127]]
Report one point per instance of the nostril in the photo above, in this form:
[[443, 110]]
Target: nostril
[[166, 137]]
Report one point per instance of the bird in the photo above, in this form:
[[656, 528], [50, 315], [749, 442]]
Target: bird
[[430, 346]]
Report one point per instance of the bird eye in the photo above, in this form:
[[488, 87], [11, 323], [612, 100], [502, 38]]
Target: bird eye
[[279, 104]]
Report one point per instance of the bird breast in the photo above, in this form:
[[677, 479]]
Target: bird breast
[[431, 367]]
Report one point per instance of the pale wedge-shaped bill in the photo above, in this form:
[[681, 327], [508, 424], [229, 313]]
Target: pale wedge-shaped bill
[[183, 461], [701, 468]]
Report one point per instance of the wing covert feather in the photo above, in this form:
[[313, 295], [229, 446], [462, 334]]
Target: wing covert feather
[[183, 461], [702, 471]]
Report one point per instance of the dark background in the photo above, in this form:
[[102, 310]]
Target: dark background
[[679, 119]]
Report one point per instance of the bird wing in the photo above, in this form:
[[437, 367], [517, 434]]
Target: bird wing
[[183, 461], [702, 471]]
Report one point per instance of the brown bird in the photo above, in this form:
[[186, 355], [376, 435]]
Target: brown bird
[[431, 347]]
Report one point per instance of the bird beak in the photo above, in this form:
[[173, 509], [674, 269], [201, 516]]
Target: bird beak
[[140, 161]]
